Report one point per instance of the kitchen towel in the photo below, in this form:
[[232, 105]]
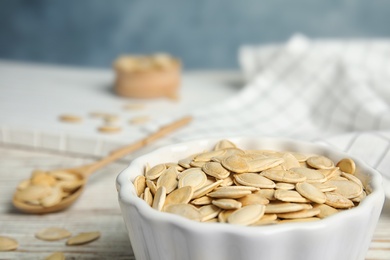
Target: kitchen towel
[[334, 92]]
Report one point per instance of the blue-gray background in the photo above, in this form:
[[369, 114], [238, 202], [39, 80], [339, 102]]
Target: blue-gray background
[[203, 33]]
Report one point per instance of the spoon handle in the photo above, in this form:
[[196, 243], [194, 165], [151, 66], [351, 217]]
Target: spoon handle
[[122, 151]]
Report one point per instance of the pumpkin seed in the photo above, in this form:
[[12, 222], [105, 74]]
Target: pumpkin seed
[[224, 214], [284, 186], [228, 192], [289, 162], [209, 212], [283, 176], [348, 189], [235, 163], [299, 220], [53, 198], [262, 164], [155, 171], [148, 197], [320, 162], [347, 165], [206, 156], [69, 118], [32, 192], [310, 174], [152, 186], [216, 170], [283, 207], [325, 210], [180, 195], [205, 200], [227, 203], [53, 234], [184, 210], [206, 189], [223, 144], [247, 215], [159, 198], [8, 244], [310, 192], [83, 238], [254, 198], [254, 180], [56, 256], [306, 213], [168, 179], [289, 196], [109, 129], [139, 184], [337, 200], [195, 178]]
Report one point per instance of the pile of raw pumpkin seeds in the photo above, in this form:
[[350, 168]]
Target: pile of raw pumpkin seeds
[[251, 187], [47, 188]]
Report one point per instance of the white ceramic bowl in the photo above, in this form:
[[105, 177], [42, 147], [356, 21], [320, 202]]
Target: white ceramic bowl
[[158, 235]]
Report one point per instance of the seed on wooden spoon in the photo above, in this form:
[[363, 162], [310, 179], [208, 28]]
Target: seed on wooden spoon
[[24, 202], [53, 198]]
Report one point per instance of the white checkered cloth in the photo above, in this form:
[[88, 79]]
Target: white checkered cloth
[[329, 91]]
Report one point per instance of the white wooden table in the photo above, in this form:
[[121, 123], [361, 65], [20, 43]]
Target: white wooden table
[[97, 209]]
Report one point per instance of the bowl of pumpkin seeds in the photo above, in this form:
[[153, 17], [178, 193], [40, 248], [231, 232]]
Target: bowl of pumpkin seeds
[[249, 198]]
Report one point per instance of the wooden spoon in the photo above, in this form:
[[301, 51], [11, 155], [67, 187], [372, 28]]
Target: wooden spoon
[[83, 172]]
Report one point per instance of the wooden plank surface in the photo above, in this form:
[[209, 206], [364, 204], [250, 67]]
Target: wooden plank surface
[[96, 210]]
